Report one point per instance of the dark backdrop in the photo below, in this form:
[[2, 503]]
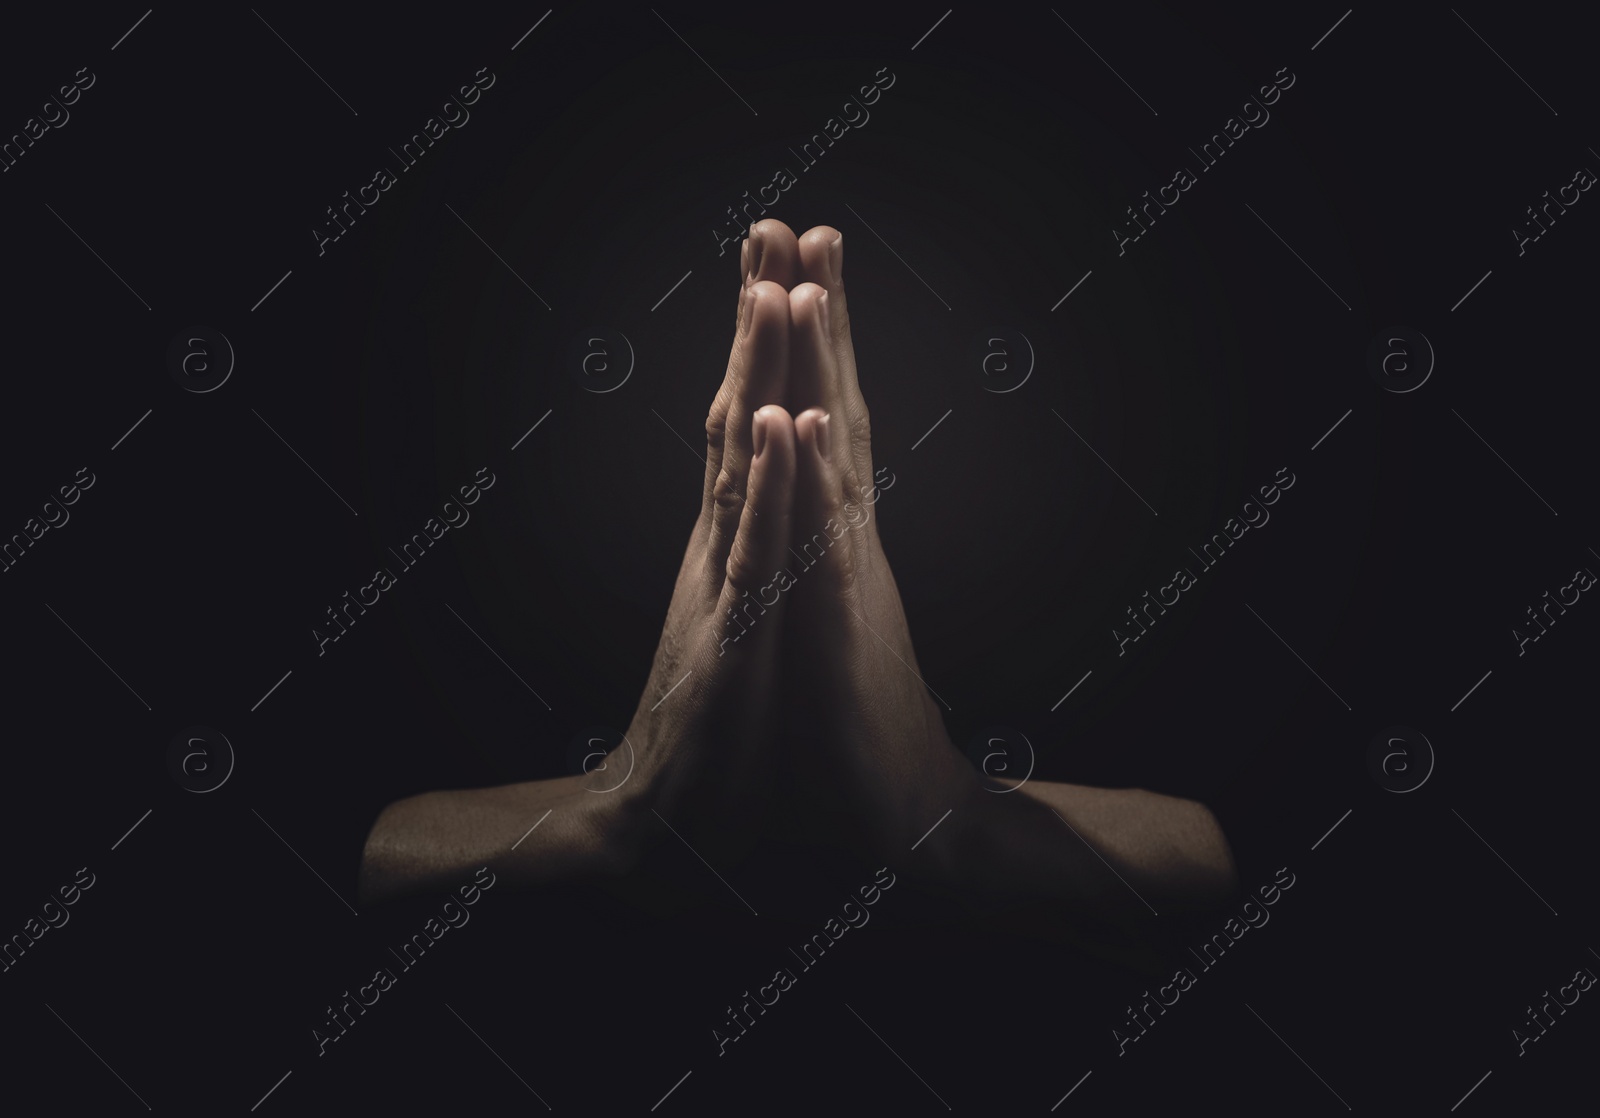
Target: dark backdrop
[[1246, 332]]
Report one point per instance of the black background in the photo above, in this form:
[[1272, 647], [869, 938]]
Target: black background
[[407, 356]]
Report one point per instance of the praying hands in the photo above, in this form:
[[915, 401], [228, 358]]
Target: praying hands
[[785, 689]]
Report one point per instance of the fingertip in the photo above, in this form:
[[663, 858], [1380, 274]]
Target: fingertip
[[819, 238], [774, 253], [768, 302], [772, 227], [750, 261], [822, 256], [774, 435], [813, 434], [808, 306], [768, 291]]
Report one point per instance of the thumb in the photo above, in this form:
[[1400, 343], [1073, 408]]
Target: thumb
[[757, 571]]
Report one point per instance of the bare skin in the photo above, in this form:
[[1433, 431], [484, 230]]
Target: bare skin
[[699, 743], [860, 755]]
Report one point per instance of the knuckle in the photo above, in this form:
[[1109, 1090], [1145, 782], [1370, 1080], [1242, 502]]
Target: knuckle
[[716, 428], [861, 430], [726, 494], [743, 569], [863, 424]]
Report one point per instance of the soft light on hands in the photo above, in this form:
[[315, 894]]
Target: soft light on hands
[[785, 692]]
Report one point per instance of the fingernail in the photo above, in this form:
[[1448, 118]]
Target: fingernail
[[760, 433], [744, 262], [755, 260], [747, 312], [836, 259], [823, 314], [824, 437]]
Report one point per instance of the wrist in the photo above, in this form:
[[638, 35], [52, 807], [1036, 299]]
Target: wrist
[[615, 821], [947, 823], [958, 852], [621, 809]]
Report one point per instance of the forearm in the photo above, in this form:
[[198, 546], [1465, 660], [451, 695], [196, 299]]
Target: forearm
[[530, 833], [1115, 854]]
